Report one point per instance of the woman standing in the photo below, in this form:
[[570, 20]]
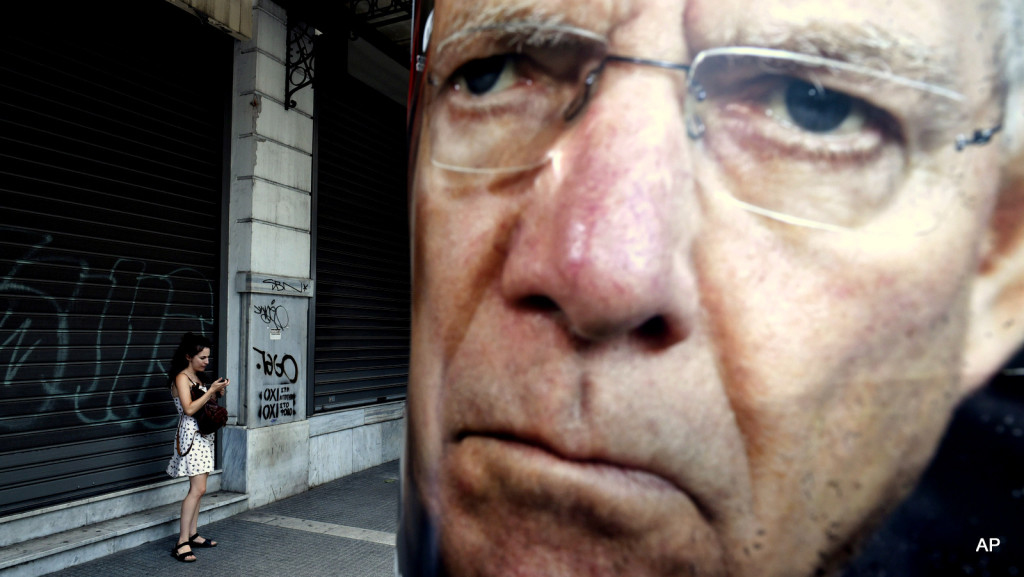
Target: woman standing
[[193, 452]]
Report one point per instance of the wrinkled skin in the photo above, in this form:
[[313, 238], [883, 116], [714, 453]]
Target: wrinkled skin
[[616, 373]]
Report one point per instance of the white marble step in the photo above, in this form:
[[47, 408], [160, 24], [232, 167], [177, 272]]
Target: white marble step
[[61, 550]]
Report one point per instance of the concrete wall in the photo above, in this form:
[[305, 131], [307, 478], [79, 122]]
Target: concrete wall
[[272, 450], [346, 442]]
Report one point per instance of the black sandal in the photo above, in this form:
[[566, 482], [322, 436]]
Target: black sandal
[[205, 544], [183, 557]]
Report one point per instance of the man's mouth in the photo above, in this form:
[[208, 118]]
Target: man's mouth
[[558, 500], [543, 461]]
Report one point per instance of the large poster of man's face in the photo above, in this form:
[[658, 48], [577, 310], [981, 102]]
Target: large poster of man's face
[[699, 287]]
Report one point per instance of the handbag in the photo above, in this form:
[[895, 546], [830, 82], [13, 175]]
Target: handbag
[[211, 416]]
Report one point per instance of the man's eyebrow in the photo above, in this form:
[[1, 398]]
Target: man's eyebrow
[[862, 44], [518, 12], [539, 13]]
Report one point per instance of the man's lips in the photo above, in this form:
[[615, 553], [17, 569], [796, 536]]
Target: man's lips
[[521, 505], [595, 471]]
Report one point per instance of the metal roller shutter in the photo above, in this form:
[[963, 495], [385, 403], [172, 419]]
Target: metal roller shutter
[[362, 243], [111, 172]]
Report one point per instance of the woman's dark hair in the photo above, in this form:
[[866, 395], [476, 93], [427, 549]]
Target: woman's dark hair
[[190, 346]]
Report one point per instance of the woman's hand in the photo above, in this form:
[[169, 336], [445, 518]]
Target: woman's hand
[[184, 388], [217, 387]]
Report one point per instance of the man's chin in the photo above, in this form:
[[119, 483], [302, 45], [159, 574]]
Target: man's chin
[[533, 545], [512, 509]]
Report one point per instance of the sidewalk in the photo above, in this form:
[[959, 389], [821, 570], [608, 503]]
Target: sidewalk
[[344, 528]]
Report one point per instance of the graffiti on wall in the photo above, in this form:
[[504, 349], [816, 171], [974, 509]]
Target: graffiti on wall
[[273, 314], [63, 319], [286, 367], [276, 400], [281, 286]]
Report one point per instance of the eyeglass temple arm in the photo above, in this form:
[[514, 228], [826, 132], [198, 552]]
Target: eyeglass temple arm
[[980, 137]]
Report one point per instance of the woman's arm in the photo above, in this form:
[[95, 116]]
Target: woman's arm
[[184, 388]]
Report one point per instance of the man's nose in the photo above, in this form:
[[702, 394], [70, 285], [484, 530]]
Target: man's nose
[[603, 241]]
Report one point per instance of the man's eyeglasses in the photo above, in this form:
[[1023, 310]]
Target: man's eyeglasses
[[800, 138]]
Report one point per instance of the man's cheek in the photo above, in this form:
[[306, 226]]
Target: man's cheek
[[800, 339]]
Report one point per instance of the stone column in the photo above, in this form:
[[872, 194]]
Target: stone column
[[265, 451]]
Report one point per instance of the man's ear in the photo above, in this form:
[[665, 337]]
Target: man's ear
[[997, 301]]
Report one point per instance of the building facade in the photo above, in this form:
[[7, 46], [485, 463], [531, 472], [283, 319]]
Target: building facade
[[166, 168]]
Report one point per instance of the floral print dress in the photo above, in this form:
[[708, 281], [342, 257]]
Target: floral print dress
[[198, 459]]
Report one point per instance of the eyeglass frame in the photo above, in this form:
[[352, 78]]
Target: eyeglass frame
[[978, 137]]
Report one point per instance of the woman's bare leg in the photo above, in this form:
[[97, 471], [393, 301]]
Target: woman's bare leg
[[190, 507], [199, 480]]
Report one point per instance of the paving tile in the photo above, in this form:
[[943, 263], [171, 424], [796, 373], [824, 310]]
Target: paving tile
[[347, 520]]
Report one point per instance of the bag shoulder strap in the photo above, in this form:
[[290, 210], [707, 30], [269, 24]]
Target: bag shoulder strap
[[177, 439]]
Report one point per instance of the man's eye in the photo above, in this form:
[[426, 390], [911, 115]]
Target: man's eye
[[486, 75], [816, 109]]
